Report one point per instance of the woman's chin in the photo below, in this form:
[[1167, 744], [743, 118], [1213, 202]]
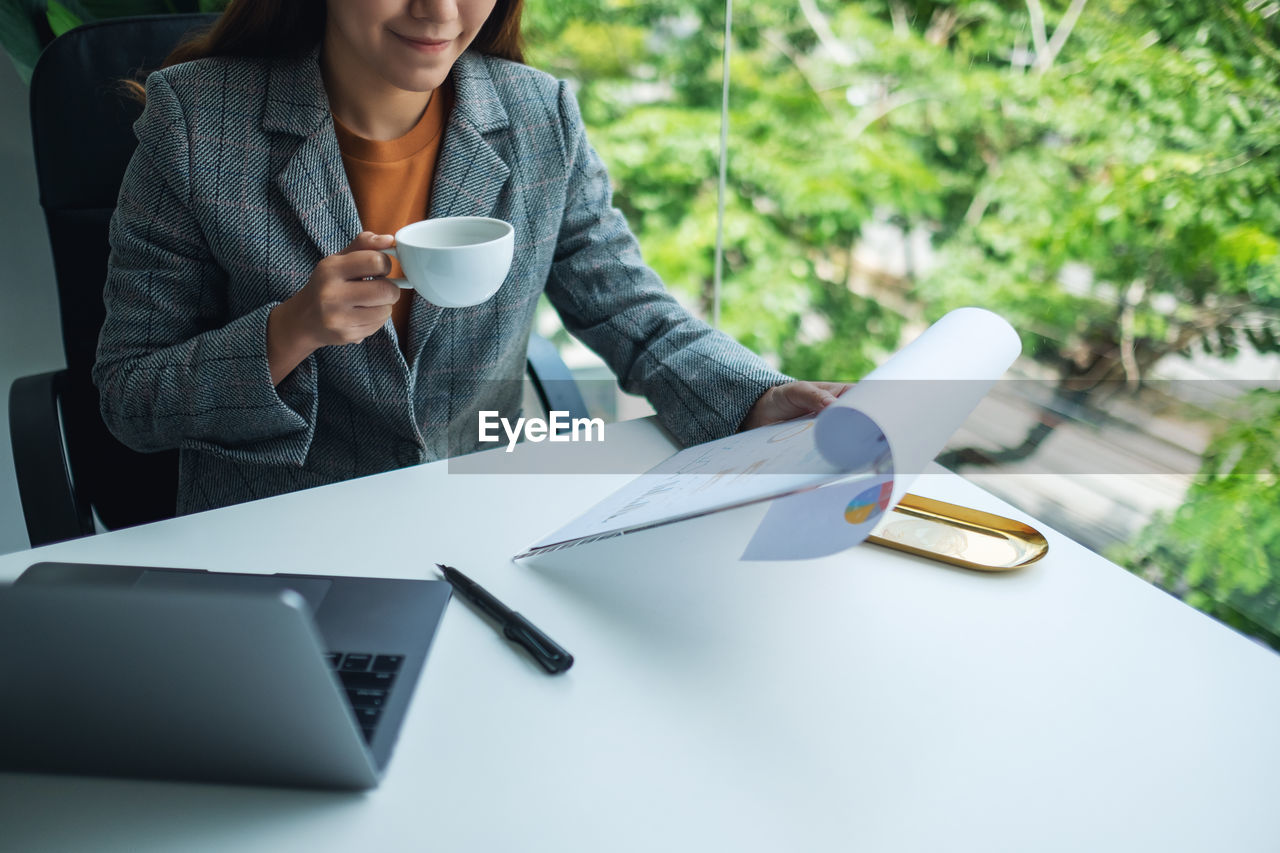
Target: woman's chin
[[418, 79]]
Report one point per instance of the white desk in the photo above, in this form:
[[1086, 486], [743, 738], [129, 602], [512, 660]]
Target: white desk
[[869, 701]]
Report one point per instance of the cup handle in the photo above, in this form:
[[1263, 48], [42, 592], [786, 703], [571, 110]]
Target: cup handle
[[398, 282]]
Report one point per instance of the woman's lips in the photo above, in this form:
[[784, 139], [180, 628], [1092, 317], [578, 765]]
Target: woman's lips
[[424, 45]]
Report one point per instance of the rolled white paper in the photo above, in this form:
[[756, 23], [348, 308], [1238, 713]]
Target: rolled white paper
[[919, 397], [882, 431]]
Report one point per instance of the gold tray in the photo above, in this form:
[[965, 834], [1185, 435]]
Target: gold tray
[[960, 536]]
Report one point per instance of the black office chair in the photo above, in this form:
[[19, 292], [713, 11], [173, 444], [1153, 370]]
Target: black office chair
[[82, 128]]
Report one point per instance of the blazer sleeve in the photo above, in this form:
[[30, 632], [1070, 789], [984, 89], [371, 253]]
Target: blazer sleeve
[[701, 381], [172, 369]]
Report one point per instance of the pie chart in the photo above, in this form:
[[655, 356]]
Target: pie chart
[[870, 503]]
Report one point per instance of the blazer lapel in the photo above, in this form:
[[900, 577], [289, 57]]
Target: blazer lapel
[[470, 174], [313, 180]]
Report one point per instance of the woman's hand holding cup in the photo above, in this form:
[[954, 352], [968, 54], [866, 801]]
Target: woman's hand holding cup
[[453, 262], [346, 299]]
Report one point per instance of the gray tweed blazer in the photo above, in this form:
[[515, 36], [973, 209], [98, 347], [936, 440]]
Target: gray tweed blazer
[[237, 190]]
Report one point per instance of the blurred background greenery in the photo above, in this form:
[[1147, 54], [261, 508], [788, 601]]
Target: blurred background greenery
[[1103, 173]]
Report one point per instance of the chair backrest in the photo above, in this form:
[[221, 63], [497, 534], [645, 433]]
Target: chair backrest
[[82, 129]]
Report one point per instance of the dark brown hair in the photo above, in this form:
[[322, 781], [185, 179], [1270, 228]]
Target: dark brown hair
[[290, 28]]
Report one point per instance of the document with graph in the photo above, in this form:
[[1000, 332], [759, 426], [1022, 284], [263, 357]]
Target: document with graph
[[830, 477]]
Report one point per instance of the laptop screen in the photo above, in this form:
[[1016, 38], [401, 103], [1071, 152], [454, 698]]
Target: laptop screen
[[312, 590]]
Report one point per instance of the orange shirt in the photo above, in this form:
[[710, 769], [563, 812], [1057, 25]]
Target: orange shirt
[[391, 182]]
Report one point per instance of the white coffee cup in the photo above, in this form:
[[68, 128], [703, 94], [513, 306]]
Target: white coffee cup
[[454, 261]]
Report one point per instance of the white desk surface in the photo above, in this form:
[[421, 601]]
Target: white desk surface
[[869, 701]]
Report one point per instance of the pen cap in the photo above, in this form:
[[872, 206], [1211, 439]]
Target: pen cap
[[549, 655]]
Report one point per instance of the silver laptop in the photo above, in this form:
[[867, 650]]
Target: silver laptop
[[295, 680]]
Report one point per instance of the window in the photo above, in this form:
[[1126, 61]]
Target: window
[[1103, 174]]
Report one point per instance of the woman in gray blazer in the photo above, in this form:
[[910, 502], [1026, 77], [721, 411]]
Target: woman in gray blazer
[[248, 313]]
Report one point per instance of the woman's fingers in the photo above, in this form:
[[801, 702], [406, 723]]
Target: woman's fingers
[[369, 240], [366, 294], [801, 398], [835, 388], [792, 400], [356, 264]]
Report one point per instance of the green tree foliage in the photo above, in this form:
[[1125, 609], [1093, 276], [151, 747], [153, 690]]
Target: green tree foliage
[[1146, 155], [1103, 173], [650, 89], [1220, 549], [1132, 141]]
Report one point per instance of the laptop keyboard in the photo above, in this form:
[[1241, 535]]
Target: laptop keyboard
[[367, 679]]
